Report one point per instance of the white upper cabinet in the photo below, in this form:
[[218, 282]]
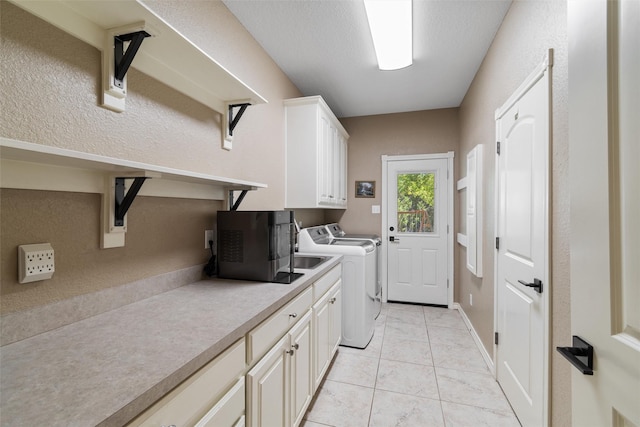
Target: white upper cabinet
[[316, 155]]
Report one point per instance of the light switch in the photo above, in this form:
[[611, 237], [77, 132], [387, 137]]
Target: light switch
[[375, 209]]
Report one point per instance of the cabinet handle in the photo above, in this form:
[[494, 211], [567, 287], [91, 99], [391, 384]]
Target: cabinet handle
[[295, 346], [294, 315], [290, 351], [332, 300]]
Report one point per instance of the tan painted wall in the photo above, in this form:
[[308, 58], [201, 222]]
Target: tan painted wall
[[50, 83], [528, 30], [371, 137]]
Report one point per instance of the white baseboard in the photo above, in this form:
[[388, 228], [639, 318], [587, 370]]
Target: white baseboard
[[485, 354]]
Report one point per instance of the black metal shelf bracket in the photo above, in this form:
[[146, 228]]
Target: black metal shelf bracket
[[123, 201], [233, 120], [236, 205], [580, 355], [123, 59]]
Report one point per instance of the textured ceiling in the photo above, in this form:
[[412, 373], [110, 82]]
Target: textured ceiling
[[325, 48]]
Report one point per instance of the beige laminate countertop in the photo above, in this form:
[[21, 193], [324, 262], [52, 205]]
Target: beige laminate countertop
[[107, 369]]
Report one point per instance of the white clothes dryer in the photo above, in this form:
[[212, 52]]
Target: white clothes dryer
[[358, 273], [338, 233]]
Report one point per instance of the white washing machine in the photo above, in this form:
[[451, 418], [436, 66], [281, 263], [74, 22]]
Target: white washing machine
[[338, 233], [358, 276]]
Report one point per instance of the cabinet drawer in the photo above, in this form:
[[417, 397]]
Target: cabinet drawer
[[325, 282], [263, 336], [228, 410], [191, 400]]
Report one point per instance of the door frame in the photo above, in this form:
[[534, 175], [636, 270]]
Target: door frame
[[538, 73], [450, 224]]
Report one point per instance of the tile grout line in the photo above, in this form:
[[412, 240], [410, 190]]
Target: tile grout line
[[435, 376], [387, 339], [375, 383]]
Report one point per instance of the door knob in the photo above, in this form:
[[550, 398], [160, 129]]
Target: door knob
[[537, 285], [394, 239]]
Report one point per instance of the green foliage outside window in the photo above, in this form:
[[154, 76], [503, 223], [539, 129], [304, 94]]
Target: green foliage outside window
[[415, 202]]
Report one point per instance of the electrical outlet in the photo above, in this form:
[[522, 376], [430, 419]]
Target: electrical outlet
[[208, 235], [470, 299], [35, 262]]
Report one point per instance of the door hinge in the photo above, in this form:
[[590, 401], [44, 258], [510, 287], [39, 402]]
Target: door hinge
[[447, 228], [495, 338], [447, 283], [498, 243], [498, 147]]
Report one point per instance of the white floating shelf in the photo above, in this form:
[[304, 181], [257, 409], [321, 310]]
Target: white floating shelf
[[28, 166], [167, 55]]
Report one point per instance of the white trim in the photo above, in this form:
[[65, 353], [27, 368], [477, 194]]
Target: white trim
[[450, 226], [531, 80], [476, 338], [463, 239], [541, 71], [447, 155], [450, 155], [385, 226]]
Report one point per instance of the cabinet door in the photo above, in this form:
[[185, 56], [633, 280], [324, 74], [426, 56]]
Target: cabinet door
[[301, 368], [335, 315], [335, 166], [268, 388], [325, 154], [321, 339], [342, 171]]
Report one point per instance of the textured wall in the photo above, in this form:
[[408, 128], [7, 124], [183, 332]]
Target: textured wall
[[49, 94], [164, 235], [529, 29]]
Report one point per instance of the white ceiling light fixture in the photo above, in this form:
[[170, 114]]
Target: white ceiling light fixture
[[391, 25]]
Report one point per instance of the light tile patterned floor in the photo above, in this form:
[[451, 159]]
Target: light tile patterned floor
[[421, 369]]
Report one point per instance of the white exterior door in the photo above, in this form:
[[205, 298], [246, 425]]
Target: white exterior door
[[417, 230], [604, 143], [522, 129]]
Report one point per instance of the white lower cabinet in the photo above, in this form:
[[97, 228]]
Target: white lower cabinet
[[287, 355], [279, 385], [327, 330]]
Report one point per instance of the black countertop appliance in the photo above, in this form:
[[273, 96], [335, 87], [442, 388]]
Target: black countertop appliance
[[256, 245]]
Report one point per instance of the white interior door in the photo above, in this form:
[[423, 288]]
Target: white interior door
[[604, 132], [417, 224], [522, 129]]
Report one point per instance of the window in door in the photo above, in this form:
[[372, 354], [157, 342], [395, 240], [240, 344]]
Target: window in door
[[416, 199]]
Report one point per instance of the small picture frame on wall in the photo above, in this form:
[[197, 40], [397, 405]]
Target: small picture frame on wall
[[366, 189]]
